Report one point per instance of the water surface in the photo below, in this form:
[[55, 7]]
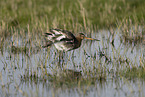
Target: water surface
[[17, 61]]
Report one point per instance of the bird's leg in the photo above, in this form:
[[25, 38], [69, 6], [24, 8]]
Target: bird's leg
[[72, 57], [73, 54], [61, 59]]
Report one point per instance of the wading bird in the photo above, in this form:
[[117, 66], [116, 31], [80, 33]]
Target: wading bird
[[64, 40]]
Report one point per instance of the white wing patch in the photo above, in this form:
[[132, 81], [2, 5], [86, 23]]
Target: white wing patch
[[56, 36], [60, 37], [50, 37], [56, 32]]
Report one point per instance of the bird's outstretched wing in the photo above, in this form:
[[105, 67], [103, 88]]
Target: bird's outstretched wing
[[59, 36], [56, 35]]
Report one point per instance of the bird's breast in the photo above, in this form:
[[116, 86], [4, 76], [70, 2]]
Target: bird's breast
[[62, 46], [77, 43]]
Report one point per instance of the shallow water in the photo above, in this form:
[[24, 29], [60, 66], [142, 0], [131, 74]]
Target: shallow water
[[15, 63]]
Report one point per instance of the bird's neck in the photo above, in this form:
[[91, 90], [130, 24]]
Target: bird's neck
[[79, 42]]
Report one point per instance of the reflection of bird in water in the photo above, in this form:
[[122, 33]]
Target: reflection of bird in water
[[68, 73], [64, 40]]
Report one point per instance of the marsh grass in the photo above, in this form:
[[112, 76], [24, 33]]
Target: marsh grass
[[69, 78], [99, 71], [68, 14], [132, 32], [23, 23], [98, 66], [134, 72]]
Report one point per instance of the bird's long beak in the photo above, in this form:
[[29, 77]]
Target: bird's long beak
[[92, 39]]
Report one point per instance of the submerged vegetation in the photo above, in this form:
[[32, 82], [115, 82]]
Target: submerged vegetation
[[23, 22]]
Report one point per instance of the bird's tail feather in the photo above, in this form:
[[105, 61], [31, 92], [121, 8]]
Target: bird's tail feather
[[48, 43]]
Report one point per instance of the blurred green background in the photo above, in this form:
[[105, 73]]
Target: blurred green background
[[69, 14]]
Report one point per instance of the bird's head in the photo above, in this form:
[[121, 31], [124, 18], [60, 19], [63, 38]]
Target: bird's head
[[82, 36]]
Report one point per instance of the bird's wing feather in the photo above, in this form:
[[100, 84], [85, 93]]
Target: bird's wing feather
[[58, 37], [58, 34], [65, 33]]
